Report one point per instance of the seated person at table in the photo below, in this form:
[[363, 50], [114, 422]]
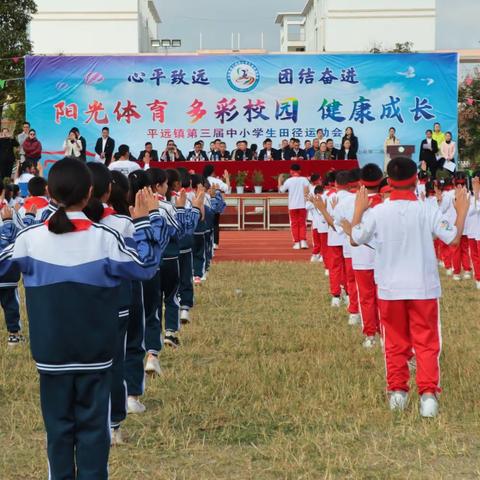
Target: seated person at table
[[197, 154], [267, 152], [171, 153], [215, 150], [149, 148], [331, 150], [322, 153], [242, 153], [313, 149], [307, 145], [346, 152], [320, 135], [295, 152], [223, 153]]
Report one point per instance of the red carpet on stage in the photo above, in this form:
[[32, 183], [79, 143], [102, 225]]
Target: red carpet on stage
[[258, 246]]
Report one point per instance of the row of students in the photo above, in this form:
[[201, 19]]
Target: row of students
[[117, 233], [388, 230]]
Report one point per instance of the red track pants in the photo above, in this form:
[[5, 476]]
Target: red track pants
[[319, 243], [298, 224], [336, 267], [407, 325], [367, 295], [445, 254], [474, 255], [460, 256], [351, 287]]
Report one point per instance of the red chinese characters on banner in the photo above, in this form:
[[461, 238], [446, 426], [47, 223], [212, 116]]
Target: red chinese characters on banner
[[196, 111], [158, 110], [94, 110], [128, 112], [64, 110]]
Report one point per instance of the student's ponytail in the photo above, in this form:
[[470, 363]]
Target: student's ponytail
[[59, 222], [101, 181], [69, 183], [137, 180]]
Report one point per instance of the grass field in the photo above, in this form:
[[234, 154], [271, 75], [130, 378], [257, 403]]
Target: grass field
[[272, 384]]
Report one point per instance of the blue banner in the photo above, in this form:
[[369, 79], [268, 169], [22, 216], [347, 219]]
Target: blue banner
[[187, 98]]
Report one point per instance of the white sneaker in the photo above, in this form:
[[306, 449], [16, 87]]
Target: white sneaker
[[336, 302], [153, 365], [449, 272], [441, 263], [135, 406], [467, 275], [184, 315], [205, 276], [303, 244], [354, 319], [315, 258], [428, 405], [477, 283], [369, 342], [327, 273], [296, 246], [457, 278], [116, 437], [215, 246], [398, 400]]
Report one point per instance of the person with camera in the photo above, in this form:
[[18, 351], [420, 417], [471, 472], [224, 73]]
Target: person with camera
[[72, 146]]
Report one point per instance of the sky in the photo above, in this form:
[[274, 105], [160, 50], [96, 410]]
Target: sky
[[217, 19]]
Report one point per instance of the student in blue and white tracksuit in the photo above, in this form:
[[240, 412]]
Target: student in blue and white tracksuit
[[72, 270], [164, 285], [99, 211], [202, 244], [185, 258]]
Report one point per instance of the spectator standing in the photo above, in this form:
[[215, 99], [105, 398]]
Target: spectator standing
[[392, 139], [349, 135], [105, 147], [32, 147], [72, 146], [21, 137], [7, 154]]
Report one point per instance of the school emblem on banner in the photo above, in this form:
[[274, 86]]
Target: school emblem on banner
[[243, 76]]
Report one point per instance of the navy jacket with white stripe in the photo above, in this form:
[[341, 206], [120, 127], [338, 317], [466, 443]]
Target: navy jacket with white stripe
[[72, 284]]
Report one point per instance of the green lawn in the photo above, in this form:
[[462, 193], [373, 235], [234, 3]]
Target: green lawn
[[271, 383]]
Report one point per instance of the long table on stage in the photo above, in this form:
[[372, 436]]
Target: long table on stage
[[270, 169]]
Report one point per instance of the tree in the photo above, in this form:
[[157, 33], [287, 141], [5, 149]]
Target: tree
[[469, 118], [15, 15], [405, 47]]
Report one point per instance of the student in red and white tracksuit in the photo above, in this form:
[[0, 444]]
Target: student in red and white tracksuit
[[472, 231], [363, 260], [319, 229], [460, 253], [343, 210], [297, 188], [315, 181], [408, 282]]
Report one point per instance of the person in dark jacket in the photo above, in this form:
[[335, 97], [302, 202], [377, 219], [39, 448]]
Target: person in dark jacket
[[105, 146], [428, 153], [331, 150], [153, 153], [295, 152], [197, 154], [7, 154], [346, 152], [242, 152], [267, 152], [349, 135]]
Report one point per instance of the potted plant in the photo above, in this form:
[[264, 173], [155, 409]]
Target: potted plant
[[240, 180], [257, 179]]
